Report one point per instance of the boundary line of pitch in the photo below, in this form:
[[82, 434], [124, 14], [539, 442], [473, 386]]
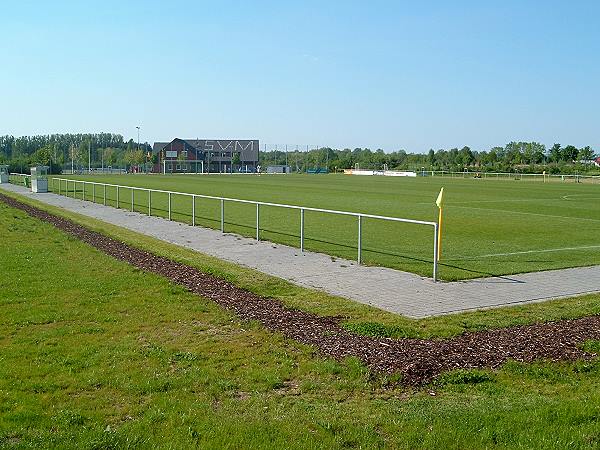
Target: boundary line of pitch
[[526, 252]]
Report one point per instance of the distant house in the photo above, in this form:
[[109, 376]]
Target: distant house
[[594, 162], [206, 156]]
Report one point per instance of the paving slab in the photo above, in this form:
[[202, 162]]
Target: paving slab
[[388, 289]]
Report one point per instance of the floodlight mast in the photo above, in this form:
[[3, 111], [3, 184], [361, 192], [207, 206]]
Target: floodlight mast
[[138, 141]]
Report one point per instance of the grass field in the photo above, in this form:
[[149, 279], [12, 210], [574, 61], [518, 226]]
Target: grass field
[[490, 228], [91, 360]]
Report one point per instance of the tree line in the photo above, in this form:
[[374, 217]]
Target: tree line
[[527, 157], [107, 149], [66, 150]]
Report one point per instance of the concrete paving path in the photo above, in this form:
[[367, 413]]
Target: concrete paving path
[[398, 292]]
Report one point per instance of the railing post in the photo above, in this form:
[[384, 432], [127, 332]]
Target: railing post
[[169, 206], [117, 196], [94, 192], [59, 186], [83, 193], [132, 203], [222, 216], [302, 230], [104, 201], [359, 239], [435, 251], [258, 221], [193, 210], [149, 202]]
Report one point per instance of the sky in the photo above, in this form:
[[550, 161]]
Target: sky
[[378, 74]]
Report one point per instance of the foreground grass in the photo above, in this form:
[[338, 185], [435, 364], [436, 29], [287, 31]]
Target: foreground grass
[[97, 354], [491, 227]]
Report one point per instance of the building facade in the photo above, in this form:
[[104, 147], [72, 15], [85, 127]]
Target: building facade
[[206, 156]]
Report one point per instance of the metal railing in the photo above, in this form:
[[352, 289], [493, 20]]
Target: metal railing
[[578, 178], [20, 178], [302, 209]]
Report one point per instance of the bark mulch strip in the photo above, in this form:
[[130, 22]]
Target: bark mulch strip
[[417, 360]]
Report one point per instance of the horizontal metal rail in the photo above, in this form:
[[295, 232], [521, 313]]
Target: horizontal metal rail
[[222, 200], [20, 174], [484, 174], [255, 202]]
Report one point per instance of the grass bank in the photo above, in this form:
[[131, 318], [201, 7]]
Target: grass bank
[[96, 354]]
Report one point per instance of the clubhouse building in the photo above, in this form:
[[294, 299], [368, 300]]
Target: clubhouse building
[[206, 156]]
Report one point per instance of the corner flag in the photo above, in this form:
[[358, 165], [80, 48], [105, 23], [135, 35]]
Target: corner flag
[[440, 197], [439, 203]]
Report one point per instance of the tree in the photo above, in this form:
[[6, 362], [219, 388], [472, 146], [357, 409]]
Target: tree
[[236, 161], [110, 156], [431, 157], [569, 153], [76, 155], [43, 156], [465, 156], [555, 153], [585, 154]]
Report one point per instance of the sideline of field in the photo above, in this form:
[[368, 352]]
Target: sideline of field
[[526, 213], [550, 250]]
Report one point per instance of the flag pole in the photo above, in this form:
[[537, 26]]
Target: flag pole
[[439, 202], [439, 240]]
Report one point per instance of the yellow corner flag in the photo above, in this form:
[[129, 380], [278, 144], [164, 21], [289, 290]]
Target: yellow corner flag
[[439, 203], [440, 197]]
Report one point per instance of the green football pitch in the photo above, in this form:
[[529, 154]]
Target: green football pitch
[[491, 227]]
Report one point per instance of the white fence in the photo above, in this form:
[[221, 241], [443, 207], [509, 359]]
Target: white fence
[[542, 178], [63, 185], [20, 178]]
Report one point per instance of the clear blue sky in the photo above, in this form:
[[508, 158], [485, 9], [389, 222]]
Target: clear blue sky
[[388, 74]]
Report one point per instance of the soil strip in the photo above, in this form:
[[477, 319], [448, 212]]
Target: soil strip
[[417, 360]]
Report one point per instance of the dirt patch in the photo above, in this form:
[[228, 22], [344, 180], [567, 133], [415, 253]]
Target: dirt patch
[[418, 360]]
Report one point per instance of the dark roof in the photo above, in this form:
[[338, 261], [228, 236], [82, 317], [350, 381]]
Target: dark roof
[[158, 146], [194, 142]]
